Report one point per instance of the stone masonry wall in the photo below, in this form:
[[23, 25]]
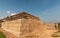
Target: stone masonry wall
[[33, 28], [30, 26], [12, 26]]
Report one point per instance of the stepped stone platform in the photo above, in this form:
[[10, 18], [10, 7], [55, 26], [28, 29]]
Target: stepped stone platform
[[24, 25]]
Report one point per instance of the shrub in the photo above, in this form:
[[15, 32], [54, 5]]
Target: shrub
[[2, 35], [59, 26]]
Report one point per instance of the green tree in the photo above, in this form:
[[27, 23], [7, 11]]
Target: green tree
[[59, 26]]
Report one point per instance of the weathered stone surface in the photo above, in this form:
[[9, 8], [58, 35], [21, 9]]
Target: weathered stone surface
[[27, 26], [12, 26]]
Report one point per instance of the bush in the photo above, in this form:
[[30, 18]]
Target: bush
[[2, 35], [59, 26]]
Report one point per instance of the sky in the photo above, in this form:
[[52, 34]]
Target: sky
[[46, 10]]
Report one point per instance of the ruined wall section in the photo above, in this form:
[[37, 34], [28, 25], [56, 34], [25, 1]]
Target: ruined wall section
[[30, 26], [51, 26], [12, 26]]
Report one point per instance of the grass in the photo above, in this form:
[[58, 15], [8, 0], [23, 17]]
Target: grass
[[2, 35], [59, 27], [56, 34]]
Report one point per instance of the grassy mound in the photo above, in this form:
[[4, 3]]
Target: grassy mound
[[2, 35]]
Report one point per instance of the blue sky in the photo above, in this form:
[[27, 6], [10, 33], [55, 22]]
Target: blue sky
[[46, 10]]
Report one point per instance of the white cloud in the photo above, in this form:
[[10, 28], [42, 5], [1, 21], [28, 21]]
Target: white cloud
[[13, 13], [8, 11]]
